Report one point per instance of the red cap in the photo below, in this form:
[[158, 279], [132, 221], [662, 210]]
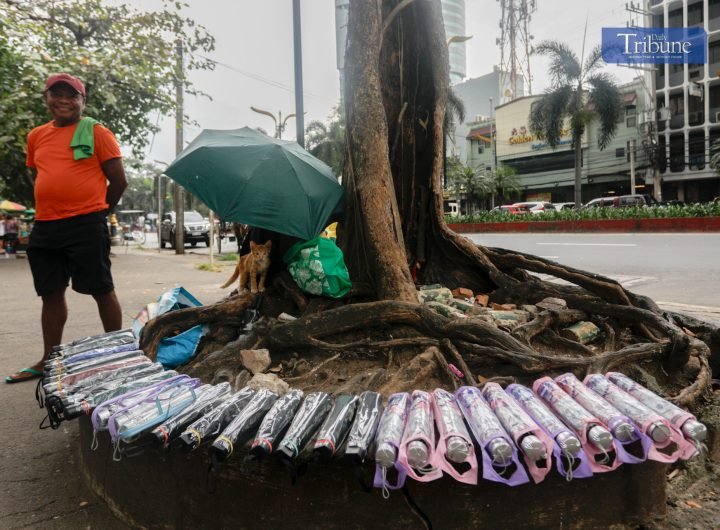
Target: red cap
[[65, 78]]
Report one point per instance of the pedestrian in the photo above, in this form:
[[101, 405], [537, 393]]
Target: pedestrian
[[79, 178]]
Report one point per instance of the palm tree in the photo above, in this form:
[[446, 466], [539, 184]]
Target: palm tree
[[504, 180], [575, 84], [327, 142]]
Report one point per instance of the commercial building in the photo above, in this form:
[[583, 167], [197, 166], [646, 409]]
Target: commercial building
[[687, 103], [548, 174], [453, 12]]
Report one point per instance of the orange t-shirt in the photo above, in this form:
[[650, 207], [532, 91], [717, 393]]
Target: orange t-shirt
[[65, 187]]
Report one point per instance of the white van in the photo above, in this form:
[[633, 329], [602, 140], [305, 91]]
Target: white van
[[452, 209]]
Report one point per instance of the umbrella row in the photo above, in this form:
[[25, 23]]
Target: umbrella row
[[512, 435]]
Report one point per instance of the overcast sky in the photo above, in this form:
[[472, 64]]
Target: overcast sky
[[255, 50]]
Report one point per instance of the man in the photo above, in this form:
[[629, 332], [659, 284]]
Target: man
[[79, 177]]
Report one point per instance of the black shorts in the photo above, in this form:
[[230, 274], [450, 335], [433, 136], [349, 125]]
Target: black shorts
[[77, 248]]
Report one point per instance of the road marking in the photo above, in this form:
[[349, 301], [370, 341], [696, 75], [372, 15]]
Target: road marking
[[589, 244]]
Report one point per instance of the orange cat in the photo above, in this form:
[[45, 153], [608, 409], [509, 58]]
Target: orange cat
[[251, 267]]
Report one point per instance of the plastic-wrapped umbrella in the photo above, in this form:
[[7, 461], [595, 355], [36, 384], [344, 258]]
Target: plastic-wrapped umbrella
[[248, 177]]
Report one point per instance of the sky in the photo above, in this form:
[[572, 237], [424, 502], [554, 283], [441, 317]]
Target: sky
[[254, 51]]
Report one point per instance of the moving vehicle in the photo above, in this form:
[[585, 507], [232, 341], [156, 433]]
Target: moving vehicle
[[197, 229], [535, 207], [564, 206], [131, 224], [601, 202], [452, 209], [512, 209]]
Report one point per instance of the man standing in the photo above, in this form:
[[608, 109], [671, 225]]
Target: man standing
[[79, 177]]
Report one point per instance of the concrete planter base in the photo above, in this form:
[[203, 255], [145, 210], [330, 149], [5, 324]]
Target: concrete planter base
[[669, 224], [168, 490]]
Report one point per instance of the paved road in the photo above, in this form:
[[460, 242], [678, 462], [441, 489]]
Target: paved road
[[677, 270]]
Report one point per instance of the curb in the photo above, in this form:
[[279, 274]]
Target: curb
[[663, 224]]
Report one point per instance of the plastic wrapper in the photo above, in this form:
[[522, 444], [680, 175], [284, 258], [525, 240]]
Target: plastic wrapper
[[417, 447], [213, 422], [88, 402], [451, 427], [59, 380], [570, 465], [306, 422], [58, 362], [488, 431], [112, 338], [365, 425], [336, 426], [206, 401], [520, 426], [580, 420], [388, 440], [103, 412], [64, 370], [632, 445], [276, 422], [128, 424], [674, 446], [241, 429]]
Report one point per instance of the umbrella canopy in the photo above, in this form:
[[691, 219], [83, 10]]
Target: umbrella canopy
[[9, 206], [247, 177]]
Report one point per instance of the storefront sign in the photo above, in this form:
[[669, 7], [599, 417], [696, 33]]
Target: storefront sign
[[654, 45]]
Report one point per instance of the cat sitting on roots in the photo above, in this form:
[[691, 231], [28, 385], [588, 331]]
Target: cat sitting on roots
[[252, 268]]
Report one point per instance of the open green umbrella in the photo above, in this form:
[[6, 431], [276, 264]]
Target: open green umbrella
[[247, 177]]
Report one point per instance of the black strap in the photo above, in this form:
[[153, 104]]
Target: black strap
[[415, 508], [39, 394]]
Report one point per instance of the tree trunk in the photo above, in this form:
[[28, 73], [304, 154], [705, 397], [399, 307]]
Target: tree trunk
[[577, 143]]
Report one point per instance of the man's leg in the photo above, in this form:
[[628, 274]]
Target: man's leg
[[109, 309], [53, 317]]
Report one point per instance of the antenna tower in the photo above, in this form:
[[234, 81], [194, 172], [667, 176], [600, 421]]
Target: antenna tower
[[515, 48]]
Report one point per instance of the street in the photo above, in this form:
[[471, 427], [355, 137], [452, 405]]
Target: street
[[679, 271]]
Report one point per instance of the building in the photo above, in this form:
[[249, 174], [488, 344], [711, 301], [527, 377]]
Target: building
[[549, 174], [341, 25], [688, 104], [453, 12]]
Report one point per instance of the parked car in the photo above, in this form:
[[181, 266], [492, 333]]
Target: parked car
[[512, 209], [601, 202], [637, 199], [197, 229], [535, 207], [564, 205]]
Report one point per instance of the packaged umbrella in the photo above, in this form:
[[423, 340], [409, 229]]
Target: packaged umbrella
[[632, 445], [499, 454], [364, 426], [205, 402], [682, 420], [570, 458], [336, 426], [60, 381], [58, 362], [112, 338], [535, 445], [417, 448], [127, 425], [64, 369], [103, 412], [668, 444], [213, 422], [388, 440], [305, 424], [455, 449], [241, 429], [596, 440], [276, 422], [136, 380]]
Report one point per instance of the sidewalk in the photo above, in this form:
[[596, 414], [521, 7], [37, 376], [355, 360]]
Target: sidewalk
[[40, 486]]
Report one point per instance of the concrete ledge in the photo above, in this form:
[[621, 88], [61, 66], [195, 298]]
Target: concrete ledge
[[168, 490], [663, 224]]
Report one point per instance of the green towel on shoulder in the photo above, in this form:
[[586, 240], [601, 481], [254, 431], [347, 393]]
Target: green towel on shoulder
[[83, 141]]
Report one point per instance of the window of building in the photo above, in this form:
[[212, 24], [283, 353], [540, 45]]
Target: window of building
[[713, 9], [677, 153], [695, 14], [675, 18], [714, 53], [630, 116], [481, 148], [619, 152]]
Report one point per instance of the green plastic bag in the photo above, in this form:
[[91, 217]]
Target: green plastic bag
[[318, 267]]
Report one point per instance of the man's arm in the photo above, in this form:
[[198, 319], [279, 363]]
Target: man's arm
[[115, 174]]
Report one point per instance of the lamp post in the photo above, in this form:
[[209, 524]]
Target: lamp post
[[279, 121]]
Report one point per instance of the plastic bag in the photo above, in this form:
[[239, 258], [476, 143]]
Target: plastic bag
[[318, 267], [175, 298], [178, 350]]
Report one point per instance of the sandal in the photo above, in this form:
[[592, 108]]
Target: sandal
[[26, 374]]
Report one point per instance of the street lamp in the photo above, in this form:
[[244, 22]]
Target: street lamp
[[279, 121]]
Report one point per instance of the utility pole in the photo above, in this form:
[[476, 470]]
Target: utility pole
[[179, 198], [279, 121], [632, 166], [297, 48]]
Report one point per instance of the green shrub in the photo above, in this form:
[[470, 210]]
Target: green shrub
[[635, 212]]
